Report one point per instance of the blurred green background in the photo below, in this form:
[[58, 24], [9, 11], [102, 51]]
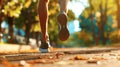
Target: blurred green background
[[90, 22]]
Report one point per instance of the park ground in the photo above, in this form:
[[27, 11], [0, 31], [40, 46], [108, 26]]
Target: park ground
[[25, 56]]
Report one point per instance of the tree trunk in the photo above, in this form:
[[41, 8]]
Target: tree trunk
[[0, 26], [92, 22], [27, 33], [118, 18], [37, 38], [102, 23], [0, 3], [0, 18], [11, 29], [118, 13]]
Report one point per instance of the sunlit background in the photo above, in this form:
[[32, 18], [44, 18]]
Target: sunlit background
[[77, 7], [90, 23]]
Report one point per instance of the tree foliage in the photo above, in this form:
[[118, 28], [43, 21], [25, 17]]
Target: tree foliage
[[25, 16], [99, 19]]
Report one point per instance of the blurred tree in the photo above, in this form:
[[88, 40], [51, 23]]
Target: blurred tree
[[118, 18], [102, 23], [88, 25], [0, 17], [27, 17], [91, 16], [71, 15], [105, 12], [85, 23], [11, 10], [94, 19], [118, 12]]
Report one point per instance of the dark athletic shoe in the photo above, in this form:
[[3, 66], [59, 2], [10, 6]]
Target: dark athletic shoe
[[63, 33], [45, 47]]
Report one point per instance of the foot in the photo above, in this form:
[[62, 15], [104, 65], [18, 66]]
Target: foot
[[45, 47], [63, 33]]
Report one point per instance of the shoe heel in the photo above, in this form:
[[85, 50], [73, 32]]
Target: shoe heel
[[63, 33], [62, 19]]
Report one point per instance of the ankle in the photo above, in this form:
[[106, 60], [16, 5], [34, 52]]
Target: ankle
[[62, 12], [45, 39]]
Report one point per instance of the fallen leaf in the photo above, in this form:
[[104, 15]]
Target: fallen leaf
[[118, 54], [118, 58], [112, 54], [99, 58], [25, 64], [79, 57], [64, 62], [6, 63], [94, 61], [42, 61], [59, 55]]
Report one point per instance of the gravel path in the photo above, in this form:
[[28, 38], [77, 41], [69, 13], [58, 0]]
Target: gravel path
[[24, 56]]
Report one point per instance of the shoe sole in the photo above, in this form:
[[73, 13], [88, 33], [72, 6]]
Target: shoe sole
[[63, 33], [43, 50], [50, 49]]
